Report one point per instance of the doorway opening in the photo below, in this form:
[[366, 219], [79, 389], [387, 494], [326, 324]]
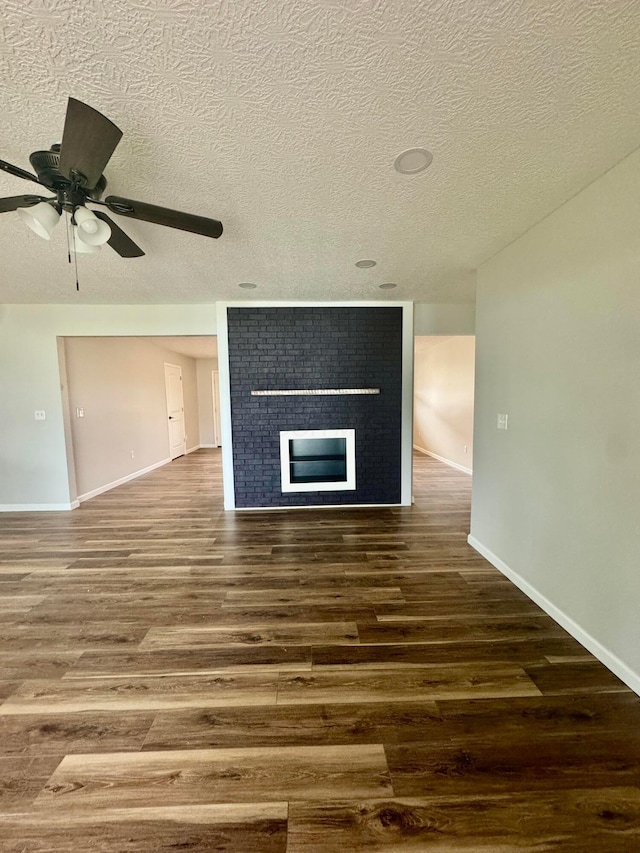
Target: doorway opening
[[134, 403], [443, 398]]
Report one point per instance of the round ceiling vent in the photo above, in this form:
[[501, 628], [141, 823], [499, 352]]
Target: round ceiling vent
[[412, 161], [247, 285], [365, 264], [388, 285]]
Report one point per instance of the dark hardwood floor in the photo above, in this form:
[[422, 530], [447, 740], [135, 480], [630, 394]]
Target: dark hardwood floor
[[179, 678]]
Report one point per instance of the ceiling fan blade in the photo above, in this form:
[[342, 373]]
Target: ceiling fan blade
[[119, 241], [18, 172], [164, 216], [16, 201], [88, 141]]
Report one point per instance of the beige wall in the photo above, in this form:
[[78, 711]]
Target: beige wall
[[119, 382], [443, 397], [204, 368], [34, 471], [556, 498]]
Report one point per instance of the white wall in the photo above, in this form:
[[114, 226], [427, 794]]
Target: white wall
[[120, 385], [205, 367], [443, 398], [444, 319], [556, 498]]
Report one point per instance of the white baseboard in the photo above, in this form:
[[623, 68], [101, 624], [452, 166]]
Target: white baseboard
[[191, 449], [108, 486], [442, 459], [604, 655], [39, 507], [208, 445]]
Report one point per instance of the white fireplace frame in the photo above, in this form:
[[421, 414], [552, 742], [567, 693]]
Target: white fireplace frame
[[348, 484]]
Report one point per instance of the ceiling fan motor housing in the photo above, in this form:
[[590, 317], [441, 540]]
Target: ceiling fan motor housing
[[47, 167]]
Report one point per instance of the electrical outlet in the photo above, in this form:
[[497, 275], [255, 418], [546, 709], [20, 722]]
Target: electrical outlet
[[503, 421], [40, 415]]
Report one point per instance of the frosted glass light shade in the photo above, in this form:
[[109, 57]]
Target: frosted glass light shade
[[80, 245], [42, 218], [93, 231]]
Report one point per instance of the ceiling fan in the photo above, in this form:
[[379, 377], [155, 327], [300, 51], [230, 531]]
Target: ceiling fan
[[72, 170]]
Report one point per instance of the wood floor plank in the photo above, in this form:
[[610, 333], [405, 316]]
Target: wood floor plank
[[585, 713], [468, 630], [300, 634], [396, 722], [228, 828], [71, 636], [293, 725], [495, 764], [419, 683], [7, 688], [272, 617], [19, 603], [167, 662], [75, 695], [169, 562], [62, 734], [22, 778], [396, 656], [34, 663], [300, 595], [194, 776], [606, 821], [454, 609], [574, 677]]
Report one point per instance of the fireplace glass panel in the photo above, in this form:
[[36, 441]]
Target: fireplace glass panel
[[318, 460]]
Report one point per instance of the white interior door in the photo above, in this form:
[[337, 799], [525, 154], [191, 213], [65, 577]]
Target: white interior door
[[175, 410], [215, 390]]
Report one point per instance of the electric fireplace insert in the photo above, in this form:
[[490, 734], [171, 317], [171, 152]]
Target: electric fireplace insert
[[317, 460]]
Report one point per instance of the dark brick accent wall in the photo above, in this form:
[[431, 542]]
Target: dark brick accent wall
[[350, 347]]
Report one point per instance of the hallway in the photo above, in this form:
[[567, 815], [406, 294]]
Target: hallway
[[179, 678]]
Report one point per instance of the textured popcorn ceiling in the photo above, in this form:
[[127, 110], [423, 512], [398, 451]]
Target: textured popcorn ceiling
[[283, 118]]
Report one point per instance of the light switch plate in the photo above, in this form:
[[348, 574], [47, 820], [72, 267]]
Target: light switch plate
[[40, 415], [503, 421]]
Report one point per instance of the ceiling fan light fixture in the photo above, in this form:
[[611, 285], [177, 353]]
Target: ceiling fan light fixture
[[42, 218], [91, 230], [80, 246]]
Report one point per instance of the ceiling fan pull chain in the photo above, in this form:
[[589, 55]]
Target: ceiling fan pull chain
[[68, 238], [75, 258]]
